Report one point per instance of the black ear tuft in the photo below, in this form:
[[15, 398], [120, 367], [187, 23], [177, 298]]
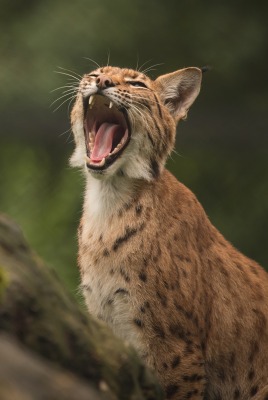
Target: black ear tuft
[[206, 68]]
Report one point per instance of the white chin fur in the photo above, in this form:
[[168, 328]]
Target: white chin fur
[[128, 164]]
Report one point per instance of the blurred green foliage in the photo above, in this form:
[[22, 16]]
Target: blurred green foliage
[[222, 152]]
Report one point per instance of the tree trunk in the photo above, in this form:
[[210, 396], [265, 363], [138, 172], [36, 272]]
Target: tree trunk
[[37, 311]]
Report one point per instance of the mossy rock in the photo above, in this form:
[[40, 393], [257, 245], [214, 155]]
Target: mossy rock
[[37, 310]]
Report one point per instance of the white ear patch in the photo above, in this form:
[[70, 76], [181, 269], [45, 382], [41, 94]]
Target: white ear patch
[[178, 90]]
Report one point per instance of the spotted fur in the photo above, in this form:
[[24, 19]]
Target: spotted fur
[[152, 265]]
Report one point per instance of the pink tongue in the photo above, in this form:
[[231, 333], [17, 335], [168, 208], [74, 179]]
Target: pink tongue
[[104, 141]]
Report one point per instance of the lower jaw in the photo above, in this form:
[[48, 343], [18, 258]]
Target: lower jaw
[[108, 161], [94, 165], [104, 165], [100, 167]]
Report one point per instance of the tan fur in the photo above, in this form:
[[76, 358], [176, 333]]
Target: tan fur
[[154, 267]]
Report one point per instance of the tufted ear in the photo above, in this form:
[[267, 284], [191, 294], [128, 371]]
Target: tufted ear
[[178, 90]]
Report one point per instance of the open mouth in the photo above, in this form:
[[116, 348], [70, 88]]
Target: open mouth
[[107, 131]]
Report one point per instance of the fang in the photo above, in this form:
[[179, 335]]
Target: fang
[[91, 100], [111, 104]]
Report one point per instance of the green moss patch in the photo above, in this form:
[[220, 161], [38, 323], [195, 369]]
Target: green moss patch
[[3, 281]]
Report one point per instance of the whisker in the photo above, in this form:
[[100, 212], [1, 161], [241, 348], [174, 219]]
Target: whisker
[[108, 58], [69, 70], [69, 98], [137, 64], [141, 111], [139, 103], [65, 73], [64, 87], [152, 101], [146, 62], [177, 153], [64, 95], [94, 62], [67, 130], [69, 104], [143, 98], [151, 68], [71, 81], [138, 111], [70, 90]]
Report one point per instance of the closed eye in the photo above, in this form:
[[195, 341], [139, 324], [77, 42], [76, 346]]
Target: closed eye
[[93, 75], [137, 84]]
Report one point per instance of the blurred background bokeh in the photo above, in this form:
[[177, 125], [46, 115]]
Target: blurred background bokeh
[[222, 149]]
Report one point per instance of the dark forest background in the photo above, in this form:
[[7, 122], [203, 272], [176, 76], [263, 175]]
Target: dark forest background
[[222, 149]]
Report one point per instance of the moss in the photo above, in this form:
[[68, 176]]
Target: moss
[[3, 281], [38, 312]]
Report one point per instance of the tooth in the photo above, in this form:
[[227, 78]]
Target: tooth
[[118, 147], [111, 104], [88, 160], [90, 100]]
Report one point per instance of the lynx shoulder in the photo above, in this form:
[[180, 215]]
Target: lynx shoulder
[[152, 265]]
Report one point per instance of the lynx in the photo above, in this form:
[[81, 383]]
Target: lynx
[[152, 265]]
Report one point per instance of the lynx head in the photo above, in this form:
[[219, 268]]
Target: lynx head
[[124, 123]]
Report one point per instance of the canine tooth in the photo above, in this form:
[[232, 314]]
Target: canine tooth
[[111, 104], [88, 160], [91, 99]]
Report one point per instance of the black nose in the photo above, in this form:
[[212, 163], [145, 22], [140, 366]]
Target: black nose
[[103, 81]]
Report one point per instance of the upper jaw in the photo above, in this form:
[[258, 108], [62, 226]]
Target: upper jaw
[[106, 129]]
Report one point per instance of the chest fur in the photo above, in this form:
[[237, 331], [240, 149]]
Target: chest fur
[[109, 259], [125, 255]]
